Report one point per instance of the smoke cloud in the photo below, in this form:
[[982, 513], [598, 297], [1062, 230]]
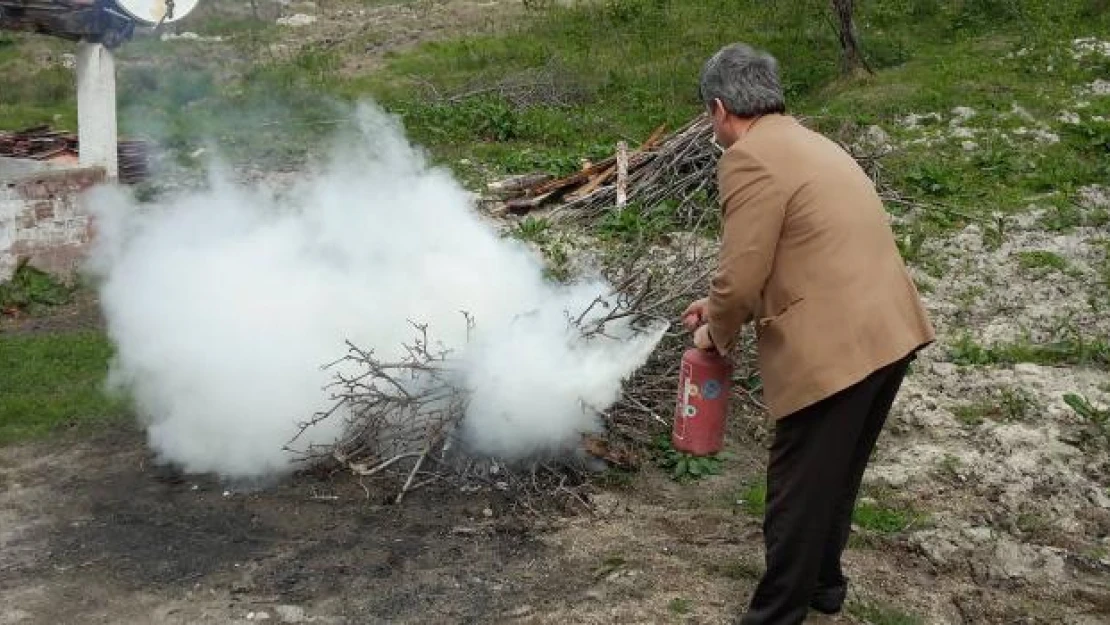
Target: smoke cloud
[[225, 303]]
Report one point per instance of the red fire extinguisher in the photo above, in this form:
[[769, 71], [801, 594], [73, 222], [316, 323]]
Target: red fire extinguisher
[[704, 384]]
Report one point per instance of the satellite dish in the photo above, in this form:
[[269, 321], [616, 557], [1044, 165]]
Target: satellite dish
[[156, 11]]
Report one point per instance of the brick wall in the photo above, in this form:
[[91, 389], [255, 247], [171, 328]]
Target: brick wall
[[42, 218]]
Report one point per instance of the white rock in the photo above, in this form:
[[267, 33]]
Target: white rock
[[962, 113], [1089, 46], [1068, 117], [1025, 562], [945, 368], [298, 20], [189, 36], [1045, 136], [939, 549], [979, 534], [969, 146], [1094, 196], [914, 120], [290, 613], [874, 140], [1099, 87]]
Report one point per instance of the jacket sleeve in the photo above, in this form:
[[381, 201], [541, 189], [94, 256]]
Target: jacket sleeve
[[753, 210]]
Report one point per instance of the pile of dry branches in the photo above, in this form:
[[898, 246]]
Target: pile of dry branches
[[403, 417], [678, 168]]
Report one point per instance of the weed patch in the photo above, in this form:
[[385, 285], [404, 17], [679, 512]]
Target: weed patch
[[32, 290], [882, 518], [754, 499], [1007, 405], [685, 467]]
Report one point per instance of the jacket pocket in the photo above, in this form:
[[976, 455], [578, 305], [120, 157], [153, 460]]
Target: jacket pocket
[[766, 321]]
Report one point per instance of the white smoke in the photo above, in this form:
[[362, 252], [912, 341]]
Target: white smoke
[[224, 304]]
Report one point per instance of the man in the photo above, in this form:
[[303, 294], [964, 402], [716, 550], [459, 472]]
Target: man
[[808, 255]]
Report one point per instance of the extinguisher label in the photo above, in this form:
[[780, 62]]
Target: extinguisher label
[[712, 389], [686, 410]]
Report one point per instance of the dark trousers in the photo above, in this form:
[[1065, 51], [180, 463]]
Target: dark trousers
[[816, 465]]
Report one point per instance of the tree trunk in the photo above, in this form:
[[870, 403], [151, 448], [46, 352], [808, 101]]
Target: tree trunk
[[851, 58]]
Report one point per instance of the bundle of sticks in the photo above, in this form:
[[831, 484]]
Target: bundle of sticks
[[38, 143], [42, 143], [678, 168]]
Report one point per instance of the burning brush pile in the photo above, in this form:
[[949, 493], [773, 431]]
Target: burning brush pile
[[406, 419]]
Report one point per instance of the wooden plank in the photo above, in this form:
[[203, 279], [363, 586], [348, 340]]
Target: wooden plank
[[524, 205]]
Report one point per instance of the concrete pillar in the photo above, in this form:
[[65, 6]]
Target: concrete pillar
[[96, 108]]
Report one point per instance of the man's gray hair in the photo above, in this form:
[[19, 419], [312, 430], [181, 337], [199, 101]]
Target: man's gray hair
[[746, 81]]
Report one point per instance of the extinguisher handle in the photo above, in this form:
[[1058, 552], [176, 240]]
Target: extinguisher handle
[[691, 321]]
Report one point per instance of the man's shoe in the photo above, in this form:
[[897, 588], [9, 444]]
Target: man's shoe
[[829, 600]]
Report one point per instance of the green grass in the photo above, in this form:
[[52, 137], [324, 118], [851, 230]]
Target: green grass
[[609, 564], [534, 229], [736, 569], [1098, 418], [883, 518], [754, 499], [1069, 351], [1011, 404], [680, 605], [49, 381], [875, 613], [1041, 261], [635, 224], [34, 92], [882, 515]]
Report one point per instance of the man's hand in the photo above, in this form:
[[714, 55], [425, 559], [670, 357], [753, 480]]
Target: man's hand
[[702, 339], [696, 314]]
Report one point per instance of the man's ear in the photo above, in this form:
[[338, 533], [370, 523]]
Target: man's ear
[[717, 109]]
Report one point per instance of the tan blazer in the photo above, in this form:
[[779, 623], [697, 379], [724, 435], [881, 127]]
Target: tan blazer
[[808, 254]]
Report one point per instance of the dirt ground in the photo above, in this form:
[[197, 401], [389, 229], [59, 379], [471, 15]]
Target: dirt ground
[[95, 532]]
